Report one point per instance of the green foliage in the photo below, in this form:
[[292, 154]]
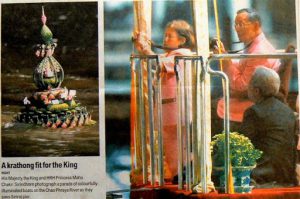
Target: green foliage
[[73, 104], [242, 151]]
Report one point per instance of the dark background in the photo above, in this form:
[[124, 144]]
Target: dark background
[[73, 24]]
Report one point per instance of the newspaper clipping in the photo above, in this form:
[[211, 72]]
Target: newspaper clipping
[[52, 133]]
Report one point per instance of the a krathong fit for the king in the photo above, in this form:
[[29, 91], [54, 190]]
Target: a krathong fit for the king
[[51, 105]]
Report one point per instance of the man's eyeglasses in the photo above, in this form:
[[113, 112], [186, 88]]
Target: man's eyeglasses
[[241, 25]]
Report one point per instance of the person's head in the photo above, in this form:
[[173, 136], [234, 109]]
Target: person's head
[[179, 34], [247, 25], [264, 83]]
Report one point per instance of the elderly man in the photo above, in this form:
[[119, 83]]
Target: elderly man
[[270, 125], [249, 31]]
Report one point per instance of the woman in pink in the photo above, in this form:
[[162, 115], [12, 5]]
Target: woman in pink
[[178, 40]]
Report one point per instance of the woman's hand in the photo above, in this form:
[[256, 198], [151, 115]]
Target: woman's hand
[[142, 43]]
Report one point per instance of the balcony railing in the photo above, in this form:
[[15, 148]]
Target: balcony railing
[[191, 75]]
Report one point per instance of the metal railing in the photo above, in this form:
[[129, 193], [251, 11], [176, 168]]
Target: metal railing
[[187, 87], [145, 118], [191, 87]]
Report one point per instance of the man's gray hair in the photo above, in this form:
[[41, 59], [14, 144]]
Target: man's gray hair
[[252, 14], [266, 80]]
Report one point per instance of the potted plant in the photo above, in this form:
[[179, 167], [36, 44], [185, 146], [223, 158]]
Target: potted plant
[[243, 157]]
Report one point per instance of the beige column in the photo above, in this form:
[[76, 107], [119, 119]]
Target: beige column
[[200, 15]]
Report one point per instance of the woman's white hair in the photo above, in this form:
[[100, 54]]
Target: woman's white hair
[[266, 80]]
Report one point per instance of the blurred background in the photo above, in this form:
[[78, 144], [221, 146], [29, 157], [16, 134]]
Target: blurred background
[[278, 22], [75, 26]]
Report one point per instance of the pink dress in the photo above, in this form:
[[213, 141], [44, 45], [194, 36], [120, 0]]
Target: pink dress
[[240, 73], [169, 109], [168, 82]]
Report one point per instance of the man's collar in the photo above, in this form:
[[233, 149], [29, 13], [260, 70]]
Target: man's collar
[[259, 37], [256, 40]]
